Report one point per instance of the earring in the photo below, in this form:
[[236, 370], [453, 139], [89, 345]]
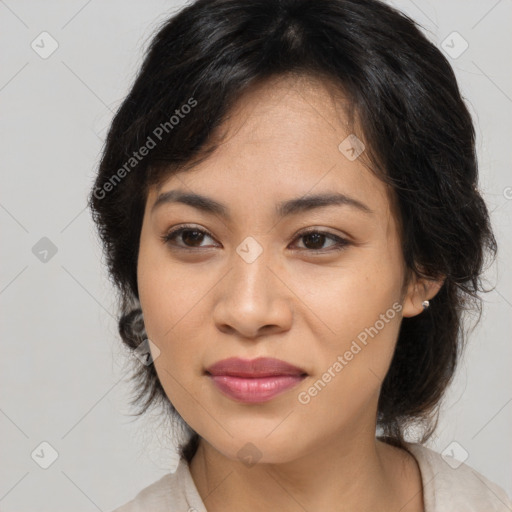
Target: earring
[[425, 304]]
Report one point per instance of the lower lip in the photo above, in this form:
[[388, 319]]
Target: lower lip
[[255, 390]]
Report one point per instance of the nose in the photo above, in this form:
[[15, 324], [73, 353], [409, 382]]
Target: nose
[[252, 300]]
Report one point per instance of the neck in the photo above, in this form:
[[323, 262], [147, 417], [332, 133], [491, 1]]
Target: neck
[[345, 474]]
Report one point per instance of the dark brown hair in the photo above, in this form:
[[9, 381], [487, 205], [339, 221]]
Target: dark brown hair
[[416, 127]]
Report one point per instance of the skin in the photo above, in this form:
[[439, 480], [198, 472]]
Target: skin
[[303, 306]]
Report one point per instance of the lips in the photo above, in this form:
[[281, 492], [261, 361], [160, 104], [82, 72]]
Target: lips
[[256, 380], [253, 368]]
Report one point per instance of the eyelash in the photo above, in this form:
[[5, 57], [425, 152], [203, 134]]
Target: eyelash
[[341, 243]]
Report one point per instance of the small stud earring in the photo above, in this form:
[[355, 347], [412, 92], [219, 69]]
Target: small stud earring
[[425, 304]]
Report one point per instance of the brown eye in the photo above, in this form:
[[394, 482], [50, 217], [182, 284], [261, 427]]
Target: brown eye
[[315, 240], [191, 237]]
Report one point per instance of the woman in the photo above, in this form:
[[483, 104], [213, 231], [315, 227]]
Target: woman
[[255, 131]]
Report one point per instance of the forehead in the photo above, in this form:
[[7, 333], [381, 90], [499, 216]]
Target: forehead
[[284, 137]]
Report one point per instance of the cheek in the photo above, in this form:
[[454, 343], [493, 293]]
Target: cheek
[[170, 300], [360, 306], [342, 395], [174, 299], [167, 291], [351, 297]]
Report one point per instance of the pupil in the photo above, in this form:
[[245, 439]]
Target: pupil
[[316, 238], [191, 239]]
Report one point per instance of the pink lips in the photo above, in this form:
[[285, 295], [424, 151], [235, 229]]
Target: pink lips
[[256, 380]]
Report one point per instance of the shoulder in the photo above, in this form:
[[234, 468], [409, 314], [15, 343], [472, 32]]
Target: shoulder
[[449, 485], [173, 492], [155, 497]]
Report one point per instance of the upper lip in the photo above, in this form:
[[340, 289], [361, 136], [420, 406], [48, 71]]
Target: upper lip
[[260, 367]]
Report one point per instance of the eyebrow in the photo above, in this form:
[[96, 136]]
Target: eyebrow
[[283, 209]]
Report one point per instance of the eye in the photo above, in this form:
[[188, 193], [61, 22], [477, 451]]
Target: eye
[[188, 234], [315, 239], [192, 237]]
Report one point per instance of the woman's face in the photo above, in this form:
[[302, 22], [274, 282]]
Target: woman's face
[[250, 283]]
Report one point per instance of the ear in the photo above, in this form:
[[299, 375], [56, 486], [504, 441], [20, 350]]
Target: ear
[[418, 290]]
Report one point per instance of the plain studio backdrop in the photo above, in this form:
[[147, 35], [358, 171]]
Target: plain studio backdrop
[[65, 68]]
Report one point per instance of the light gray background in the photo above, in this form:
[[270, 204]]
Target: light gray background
[[62, 369]]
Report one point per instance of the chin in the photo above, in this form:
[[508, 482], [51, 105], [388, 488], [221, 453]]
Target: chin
[[256, 448]]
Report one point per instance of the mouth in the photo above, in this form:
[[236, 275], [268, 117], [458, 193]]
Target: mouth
[[254, 381]]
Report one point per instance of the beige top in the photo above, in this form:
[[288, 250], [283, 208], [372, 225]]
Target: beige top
[[446, 488]]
